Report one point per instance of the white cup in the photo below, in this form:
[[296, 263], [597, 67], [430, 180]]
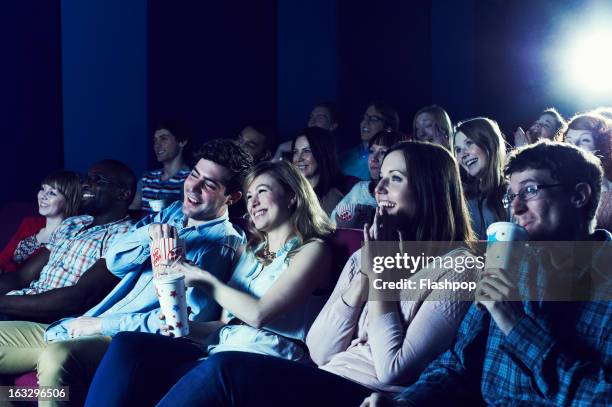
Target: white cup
[[164, 252], [158, 204], [500, 249], [172, 300]]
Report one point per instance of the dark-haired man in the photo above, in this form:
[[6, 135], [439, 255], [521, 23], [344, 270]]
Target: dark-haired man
[[74, 248], [536, 352], [68, 351]]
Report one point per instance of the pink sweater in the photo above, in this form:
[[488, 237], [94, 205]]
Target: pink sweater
[[387, 353]]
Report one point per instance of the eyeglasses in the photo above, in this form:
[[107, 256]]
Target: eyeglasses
[[99, 179], [526, 193], [372, 118]]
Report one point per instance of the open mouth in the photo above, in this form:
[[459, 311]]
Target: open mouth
[[386, 204], [193, 200], [259, 212], [470, 162]]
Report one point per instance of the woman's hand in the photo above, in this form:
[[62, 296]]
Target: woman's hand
[[195, 276], [520, 138], [84, 326], [357, 293]]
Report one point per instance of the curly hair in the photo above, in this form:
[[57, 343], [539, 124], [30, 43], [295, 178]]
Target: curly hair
[[601, 129], [230, 155]]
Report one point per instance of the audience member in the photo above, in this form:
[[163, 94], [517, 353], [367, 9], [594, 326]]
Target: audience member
[[432, 123], [257, 140], [479, 147], [593, 133], [359, 341], [532, 352], [379, 116], [314, 154], [59, 198], [164, 186], [358, 206], [550, 125], [67, 352], [270, 301], [323, 115]]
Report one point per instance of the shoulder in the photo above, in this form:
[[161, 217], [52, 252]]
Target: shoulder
[[312, 249]]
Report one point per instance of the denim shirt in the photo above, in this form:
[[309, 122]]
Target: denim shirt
[[133, 305], [285, 335]]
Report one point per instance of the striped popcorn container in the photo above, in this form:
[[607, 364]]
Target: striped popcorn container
[[164, 252]]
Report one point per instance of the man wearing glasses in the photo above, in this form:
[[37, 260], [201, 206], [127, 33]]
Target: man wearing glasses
[[535, 351], [75, 247]]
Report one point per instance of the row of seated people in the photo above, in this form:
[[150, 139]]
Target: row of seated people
[[271, 320]]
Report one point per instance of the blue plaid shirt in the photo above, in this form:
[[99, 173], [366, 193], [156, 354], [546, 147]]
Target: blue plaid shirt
[[559, 353]]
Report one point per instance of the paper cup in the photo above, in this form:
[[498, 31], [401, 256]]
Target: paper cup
[[164, 252], [501, 249], [158, 204], [172, 300]]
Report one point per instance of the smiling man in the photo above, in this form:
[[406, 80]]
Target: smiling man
[[534, 352], [68, 351]]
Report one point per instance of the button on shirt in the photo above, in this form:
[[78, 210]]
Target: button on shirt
[[133, 303], [74, 247]]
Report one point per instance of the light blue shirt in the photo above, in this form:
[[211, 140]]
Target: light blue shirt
[[285, 335], [133, 305]]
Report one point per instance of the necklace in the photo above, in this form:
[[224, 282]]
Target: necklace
[[267, 254]]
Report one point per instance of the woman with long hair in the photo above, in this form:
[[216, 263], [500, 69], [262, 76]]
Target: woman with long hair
[[58, 198], [269, 303], [359, 341], [433, 124], [479, 147]]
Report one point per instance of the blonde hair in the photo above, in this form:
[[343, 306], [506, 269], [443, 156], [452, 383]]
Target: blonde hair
[[309, 220]]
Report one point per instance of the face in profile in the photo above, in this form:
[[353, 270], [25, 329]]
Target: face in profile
[[320, 117], [252, 141], [470, 156], [376, 153], [371, 123], [582, 139], [268, 204], [544, 127], [166, 146], [205, 192], [393, 193], [51, 202], [303, 158]]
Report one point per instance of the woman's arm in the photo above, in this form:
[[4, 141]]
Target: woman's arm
[[308, 270]]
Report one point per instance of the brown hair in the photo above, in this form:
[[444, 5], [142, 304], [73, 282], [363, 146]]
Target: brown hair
[[601, 129], [68, 183]]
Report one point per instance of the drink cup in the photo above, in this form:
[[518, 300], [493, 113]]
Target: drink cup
[[164, 253], [501, 246], [158, 204], [172, 300]]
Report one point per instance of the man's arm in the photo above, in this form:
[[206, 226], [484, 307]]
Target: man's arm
[[24, 275], [91, 288]]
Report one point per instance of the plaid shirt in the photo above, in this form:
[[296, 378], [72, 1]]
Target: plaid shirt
[[558, 353], [74, 248]]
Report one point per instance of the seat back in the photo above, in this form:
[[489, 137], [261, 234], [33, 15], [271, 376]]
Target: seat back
[[343, 242]]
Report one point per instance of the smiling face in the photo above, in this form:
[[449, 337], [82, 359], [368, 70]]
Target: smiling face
[[320, 117], [268, 204], [101, 189], [424, 127], [166, 146], [252, 141], [393, 192], [582, 139], [371, 123], [471, 157], [544, 127], [375, 159], [546, 215], [51, 202], [303, 158], [205, 192]]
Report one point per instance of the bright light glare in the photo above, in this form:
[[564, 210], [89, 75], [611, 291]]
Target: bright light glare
[[589, 60]]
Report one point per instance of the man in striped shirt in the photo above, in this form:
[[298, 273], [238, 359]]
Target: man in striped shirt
[[75, 247]]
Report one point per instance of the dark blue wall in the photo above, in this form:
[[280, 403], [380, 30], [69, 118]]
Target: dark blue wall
[[30, 129], [212, 65]]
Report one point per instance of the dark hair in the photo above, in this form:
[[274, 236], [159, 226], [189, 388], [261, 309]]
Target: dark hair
[[230, 155], [178, 130], [601, 129], [387, 138], [123, 174], [331, 108], [323, 146], [485, 133], [68, 183], [388, 113], [567, 164], [560, 123], [267, 130], [441, 212]]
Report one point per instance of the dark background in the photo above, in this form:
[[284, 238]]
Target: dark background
[[83, 81]]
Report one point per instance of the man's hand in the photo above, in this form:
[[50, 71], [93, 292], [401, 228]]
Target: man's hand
[[84, 326], [498, 295], [162, 231], [520, 138], [381, 400]]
